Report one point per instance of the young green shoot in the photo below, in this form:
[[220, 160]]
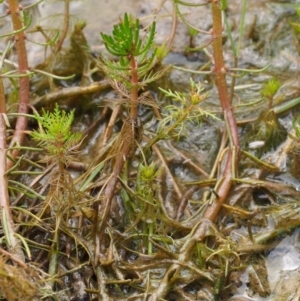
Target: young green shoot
[[269, 90], [186, 108], [136, 59], [146, 187], [55, 136]]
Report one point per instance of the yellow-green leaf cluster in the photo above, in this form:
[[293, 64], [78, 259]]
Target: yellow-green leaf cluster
[[55, 135]]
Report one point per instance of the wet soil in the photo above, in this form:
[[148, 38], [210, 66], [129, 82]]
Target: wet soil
[[252, 252]]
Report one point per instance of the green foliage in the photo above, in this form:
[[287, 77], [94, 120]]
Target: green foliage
[[186, 108], [148, 172], [146, 175], [126, 43], [267, 129], [223, 4], [297, 8], [55, 134], [125, 40], [296, 27], [270, 88], [296, 126], [162, 51], [192, 31], [147, 203]]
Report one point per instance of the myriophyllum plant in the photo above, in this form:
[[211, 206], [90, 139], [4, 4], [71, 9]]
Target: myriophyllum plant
[[135, 62], [131, 72], [269, 90], [56, 137]]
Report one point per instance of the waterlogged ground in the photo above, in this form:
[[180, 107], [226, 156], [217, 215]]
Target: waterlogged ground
[[266, 267], [267, 40]]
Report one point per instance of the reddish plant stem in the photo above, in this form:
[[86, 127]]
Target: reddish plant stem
[[110, 188], [21, 123], [125, 148], [103, 209], [224, 184], [65, 27], [225, 180], [220, 73], [134, 89]]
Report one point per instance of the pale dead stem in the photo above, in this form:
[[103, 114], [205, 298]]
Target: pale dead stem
[[168, 171], [6, 216], [70, 92]]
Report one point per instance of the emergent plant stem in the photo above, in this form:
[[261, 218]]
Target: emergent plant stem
[[125, 148], [225, 180], [220, 73], [21, 123], [134, 89], [220, 78]]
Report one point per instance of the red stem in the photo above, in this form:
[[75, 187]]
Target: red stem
[[127, 135], [220, 73], [134, 89], [225, 179], [65, 28], [21, 124], [224, 183]]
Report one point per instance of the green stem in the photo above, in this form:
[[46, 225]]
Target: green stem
[[150, 234], [168, 130], [53, 262]]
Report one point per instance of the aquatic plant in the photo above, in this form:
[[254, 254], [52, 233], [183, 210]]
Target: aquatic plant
[[140, 215], [131, 73], [20, 22], [15, 284], [55, 137], [186, 109], [224, 181], [269, 90]]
